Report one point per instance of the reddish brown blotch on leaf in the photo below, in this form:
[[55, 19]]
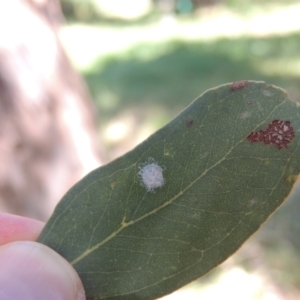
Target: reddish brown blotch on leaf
[[238, 85], [279, 133]]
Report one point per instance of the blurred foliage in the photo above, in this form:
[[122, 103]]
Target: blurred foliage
[[88, 10], [79, 10]]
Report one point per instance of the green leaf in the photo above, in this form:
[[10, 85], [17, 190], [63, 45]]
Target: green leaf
[[128, 243]]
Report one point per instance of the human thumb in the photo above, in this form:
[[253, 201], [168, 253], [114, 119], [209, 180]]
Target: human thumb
[[29, 270]]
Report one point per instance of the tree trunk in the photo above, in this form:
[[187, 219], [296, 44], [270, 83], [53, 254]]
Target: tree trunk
[[48, 137]]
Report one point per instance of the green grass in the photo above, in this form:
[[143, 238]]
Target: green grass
[[183, 70]]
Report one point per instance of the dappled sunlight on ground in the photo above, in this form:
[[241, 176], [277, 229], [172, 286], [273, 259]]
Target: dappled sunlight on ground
[[226, 23]]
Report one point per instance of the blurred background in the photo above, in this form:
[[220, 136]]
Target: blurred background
[[84, 81]]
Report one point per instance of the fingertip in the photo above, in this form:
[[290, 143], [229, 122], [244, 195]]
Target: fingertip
[[17, 228], [31, 270]]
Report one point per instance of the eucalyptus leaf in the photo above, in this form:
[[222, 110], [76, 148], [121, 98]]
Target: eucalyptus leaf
[[220, 174]]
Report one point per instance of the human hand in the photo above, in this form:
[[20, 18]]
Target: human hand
[[30, 270]]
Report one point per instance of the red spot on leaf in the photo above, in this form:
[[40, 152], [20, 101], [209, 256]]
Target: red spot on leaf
[[279, 133], [249, 102], [238, 85]]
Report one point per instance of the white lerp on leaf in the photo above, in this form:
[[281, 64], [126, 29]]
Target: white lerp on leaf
[[151, 175]]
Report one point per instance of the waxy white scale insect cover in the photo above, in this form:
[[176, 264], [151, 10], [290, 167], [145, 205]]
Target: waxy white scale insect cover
[[151, 175]]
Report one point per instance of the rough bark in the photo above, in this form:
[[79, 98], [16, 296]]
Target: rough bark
[[48, 138]]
